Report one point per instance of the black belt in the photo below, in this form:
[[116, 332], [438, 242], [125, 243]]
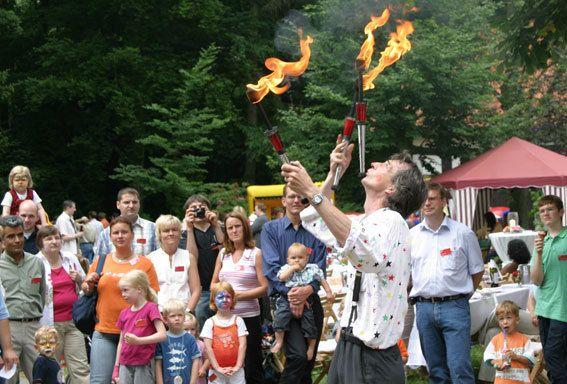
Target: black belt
[[346, 334], [420, 299], [29, 320]]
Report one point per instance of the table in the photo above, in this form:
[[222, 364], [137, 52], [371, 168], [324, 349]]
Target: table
[[500, 242], [482, 303]]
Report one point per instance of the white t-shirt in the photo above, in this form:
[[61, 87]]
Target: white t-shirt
[[7, 200], [207, 331], [173, 277]]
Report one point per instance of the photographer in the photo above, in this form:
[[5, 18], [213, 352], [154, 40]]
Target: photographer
[[203, 237]]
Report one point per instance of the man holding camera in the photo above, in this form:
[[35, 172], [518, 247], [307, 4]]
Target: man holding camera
[[203, 238], [128, 203]]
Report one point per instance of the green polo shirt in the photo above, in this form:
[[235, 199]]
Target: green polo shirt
[[24, 283], [551, 300]]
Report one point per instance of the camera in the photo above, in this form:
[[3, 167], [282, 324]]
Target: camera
[[199, 213]]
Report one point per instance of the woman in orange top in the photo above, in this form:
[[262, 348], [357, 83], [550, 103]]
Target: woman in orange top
[[110, 302]]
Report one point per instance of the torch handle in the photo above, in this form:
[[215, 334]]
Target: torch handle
[[361, 129], [339, 168]]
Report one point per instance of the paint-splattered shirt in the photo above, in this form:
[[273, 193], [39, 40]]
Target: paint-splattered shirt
[[378, 246]]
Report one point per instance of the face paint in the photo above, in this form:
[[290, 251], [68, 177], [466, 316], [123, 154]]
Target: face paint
[[46, 345], [223, 300]]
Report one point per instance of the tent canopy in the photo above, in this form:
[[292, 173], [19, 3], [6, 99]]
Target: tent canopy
[[514, 164]]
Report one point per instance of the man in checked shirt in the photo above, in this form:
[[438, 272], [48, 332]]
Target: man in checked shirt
[[377, 247]]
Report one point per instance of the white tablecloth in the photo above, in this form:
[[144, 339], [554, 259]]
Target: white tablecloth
[[500, 242], [482, 303]]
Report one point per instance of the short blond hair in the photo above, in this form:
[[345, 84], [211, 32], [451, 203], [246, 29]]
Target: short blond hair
[[507, 307], [20, 170], [299, 248], [166, 221], [219, 287], [46, 330], [173, 306]]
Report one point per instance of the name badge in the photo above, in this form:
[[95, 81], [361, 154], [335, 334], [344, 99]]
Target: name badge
[[141, 241], [562, 257], [446, 252], [140, 323], [179, 268], [36, 280]]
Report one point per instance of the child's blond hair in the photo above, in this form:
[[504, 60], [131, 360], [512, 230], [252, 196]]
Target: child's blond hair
[[20, 170], [190, 318], [173, 306], [46, 330], [299, 248], [138, 279], [219, 287], [507, 307]]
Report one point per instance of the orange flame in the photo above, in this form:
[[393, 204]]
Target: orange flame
[[365, 56], [280, 69], [398, 45]]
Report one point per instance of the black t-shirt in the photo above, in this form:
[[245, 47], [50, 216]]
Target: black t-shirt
[[29, 244], [46, 371], [208, 247]]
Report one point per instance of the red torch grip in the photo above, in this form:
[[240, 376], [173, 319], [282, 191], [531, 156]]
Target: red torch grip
[[361, 111], [348, 127], [275, 139]]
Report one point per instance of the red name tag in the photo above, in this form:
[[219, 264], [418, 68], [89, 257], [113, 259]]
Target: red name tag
[[309, 250], [141, 241], [36, 280], [562, 257], [446, 252], [140, 323], [179, 268]]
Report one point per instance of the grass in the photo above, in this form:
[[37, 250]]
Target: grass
[[419, 376]]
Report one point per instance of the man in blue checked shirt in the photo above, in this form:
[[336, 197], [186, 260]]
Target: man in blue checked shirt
[[277, 236]]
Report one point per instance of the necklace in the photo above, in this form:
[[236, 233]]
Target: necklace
[[122, 261]]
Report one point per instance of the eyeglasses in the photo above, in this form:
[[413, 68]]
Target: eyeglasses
[[11, 221]]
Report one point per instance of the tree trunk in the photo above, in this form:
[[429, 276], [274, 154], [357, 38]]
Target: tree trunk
[[446, 164]]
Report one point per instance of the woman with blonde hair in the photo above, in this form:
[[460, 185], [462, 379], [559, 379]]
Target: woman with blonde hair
[[240, 264], [176, 268]]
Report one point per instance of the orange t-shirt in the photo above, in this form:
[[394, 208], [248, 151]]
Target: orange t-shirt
[[403, 349], [110, 302], [225, 344], [522, 346]]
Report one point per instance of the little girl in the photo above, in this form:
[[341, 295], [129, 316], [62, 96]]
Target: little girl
[[141, 328], [225, 338], [191, 325], [21, 184]]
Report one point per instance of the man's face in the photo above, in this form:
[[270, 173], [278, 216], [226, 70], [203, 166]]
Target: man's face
[[196, 206], [72, 209], [550, 215], [13, 241], [28, 213], [379, 175], [434, 204], [128, 205], [292, 203]]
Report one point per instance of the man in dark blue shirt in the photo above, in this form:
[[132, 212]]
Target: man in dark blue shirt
[[277, 236]]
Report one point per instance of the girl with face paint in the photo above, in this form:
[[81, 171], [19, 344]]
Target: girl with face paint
[[224, 335]]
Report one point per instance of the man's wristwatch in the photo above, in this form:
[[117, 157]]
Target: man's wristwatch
[[317, 199]]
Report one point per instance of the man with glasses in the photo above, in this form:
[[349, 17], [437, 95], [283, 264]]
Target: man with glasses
[[23, 278], [447, 266], [549, 272], [277, 236]]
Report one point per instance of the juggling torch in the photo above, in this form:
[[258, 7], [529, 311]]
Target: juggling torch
[[361, 128], [347, 132]]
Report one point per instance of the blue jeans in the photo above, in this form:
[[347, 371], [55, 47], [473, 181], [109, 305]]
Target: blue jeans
[[87, 251], [444, 335], [103, 357], [203, 310], [553, 335]]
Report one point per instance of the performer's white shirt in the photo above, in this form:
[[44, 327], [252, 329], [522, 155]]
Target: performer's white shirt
[[378, 246]]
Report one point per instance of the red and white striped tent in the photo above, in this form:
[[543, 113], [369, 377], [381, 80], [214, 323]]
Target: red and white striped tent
[[514, 164]]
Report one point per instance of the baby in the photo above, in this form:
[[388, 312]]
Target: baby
[[298, 273]]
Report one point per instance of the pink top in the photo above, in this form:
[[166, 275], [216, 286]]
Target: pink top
[[242, 276], [140, 323], [201, 346], [64, 294]]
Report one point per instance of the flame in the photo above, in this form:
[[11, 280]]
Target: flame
[[280, 69], [365, 56], [397, 46]]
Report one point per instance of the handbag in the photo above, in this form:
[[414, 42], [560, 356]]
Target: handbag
[[84, 309]]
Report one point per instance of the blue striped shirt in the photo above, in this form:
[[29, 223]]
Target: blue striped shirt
[[277, 236]]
